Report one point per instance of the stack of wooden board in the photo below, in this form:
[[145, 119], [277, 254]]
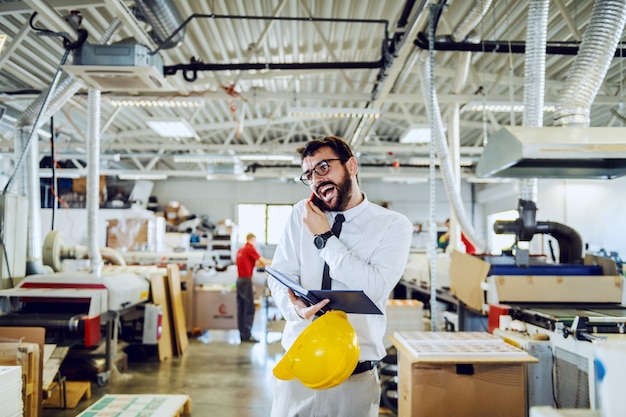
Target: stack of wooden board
[[166, 292]]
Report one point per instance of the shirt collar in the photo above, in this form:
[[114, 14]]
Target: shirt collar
[[354, 211]]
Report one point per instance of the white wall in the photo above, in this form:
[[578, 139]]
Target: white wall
[[594, 208], [219, 199]]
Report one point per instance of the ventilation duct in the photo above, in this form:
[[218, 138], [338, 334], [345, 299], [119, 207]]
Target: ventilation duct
[[574, 150], [165, 19], [592, 62], [554, 152]]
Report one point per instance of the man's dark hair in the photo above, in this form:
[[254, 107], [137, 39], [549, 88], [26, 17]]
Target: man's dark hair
[[341, 148]]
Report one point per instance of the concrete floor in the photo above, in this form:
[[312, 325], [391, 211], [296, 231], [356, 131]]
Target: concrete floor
[[223, 377]]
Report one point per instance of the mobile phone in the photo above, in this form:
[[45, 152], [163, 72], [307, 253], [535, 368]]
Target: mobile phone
[[319, 203]]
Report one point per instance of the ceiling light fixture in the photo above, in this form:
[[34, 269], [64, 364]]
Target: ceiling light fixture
[[333, 112], [266, 157], [236, 177], [417, 133], [215, 159], [405, 180], [425, 162], [142, 176], [169, 102], [62, 173], [502, 107], [172, 128]]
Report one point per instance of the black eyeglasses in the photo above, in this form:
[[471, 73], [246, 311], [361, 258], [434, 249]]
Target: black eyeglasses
[[321, 169]]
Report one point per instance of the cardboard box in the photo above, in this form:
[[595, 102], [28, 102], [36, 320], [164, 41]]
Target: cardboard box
[[467, 377], [135, 234], [467, 273], [79, 185], [215, 307]]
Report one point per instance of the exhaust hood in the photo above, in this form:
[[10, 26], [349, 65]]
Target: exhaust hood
[[554, 152]]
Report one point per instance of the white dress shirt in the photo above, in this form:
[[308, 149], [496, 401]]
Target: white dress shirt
[[370, 255]]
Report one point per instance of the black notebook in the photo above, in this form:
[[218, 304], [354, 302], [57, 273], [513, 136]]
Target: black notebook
[[349, 301]]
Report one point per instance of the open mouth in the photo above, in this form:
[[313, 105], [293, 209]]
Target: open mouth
[[327, 191]]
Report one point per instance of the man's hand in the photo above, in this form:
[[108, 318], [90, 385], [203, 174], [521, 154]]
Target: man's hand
[[303, 310], [314, 219]]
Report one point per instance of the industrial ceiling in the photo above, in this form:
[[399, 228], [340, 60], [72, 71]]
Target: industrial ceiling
[[260, 78]]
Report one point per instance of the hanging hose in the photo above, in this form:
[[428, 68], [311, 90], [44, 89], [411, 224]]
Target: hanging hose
[[452, 190]]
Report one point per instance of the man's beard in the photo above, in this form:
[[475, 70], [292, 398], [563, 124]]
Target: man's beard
[[344, 193]]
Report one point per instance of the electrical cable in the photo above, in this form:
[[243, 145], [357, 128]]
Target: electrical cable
[[434, 10], [555, 379], [53, 167], [4, 251]]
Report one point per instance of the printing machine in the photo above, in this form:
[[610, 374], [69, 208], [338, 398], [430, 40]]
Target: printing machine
[[75, 302], [573, 303], [73, 306]]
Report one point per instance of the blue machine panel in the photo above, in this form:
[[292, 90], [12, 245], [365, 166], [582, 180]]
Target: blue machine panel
[[556, 269]]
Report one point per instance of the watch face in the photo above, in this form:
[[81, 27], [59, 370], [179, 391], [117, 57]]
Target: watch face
[[319, 242]]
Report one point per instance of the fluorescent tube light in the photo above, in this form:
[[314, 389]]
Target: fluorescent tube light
[[172, 128], [166, 102], [404, 180], [236, 177], [333, 112], [416, 134], [266, 157], [502, 107], [214, 159], [143, 176], [61, 173]]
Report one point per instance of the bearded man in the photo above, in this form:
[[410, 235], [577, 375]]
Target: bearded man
[[337, 239]]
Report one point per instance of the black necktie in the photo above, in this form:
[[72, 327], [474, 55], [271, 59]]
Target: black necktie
[[336, 229]]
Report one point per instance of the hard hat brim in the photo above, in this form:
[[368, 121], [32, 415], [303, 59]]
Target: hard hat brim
[[282, 369], [332, 330]]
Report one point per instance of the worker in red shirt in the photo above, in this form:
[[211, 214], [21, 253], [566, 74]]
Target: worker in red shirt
[[247, 259]]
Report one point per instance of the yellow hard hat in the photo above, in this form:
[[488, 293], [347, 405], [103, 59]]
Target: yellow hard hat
[[324, 355]]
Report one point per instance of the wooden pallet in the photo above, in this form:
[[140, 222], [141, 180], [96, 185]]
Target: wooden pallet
[[75, 392]]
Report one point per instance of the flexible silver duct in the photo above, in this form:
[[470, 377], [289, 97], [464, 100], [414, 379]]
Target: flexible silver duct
[[534, 79], [93, 182], [27, 177], [535, 62], [447, 170], [592, 62], [110, 31], [164, 18], [450, 181], [472, 19]]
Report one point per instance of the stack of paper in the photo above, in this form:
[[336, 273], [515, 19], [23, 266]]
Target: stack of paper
[[11, 391], [403, 315], [457, 344]]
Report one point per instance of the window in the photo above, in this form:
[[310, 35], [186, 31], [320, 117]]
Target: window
[[499, 242], [266, 221]]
